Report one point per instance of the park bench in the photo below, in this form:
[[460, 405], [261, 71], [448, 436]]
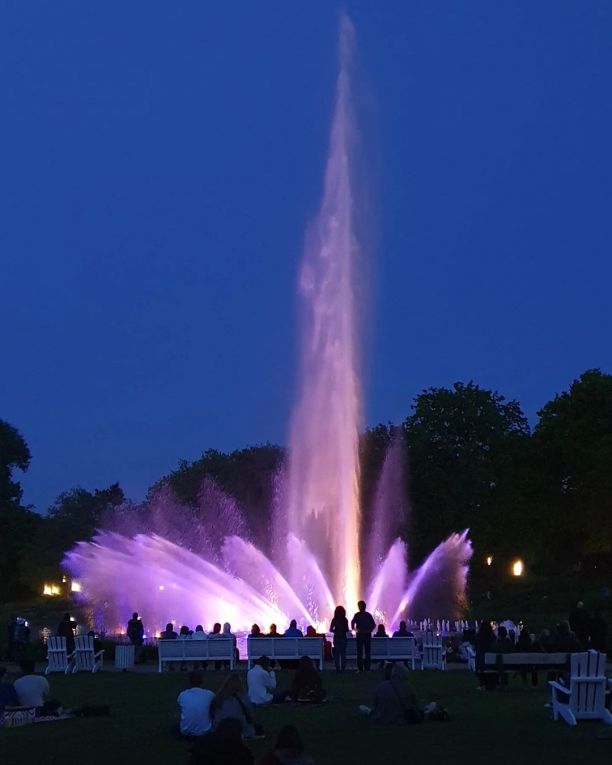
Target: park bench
[[584, 697], [285, 648], [57, 655], [387, 649], [211, 649], [84, 658], [503, 663]]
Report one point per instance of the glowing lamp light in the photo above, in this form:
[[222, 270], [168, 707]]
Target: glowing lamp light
[[518, 568], [75, 587], [489, 560], [161, 587], [64, 580], [51, 590]]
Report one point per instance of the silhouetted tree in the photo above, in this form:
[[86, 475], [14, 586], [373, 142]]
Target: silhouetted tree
[[17, 524], [465, 445], [573, 449]]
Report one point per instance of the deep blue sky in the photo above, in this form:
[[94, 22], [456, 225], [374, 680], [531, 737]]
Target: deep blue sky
[[160, 161]]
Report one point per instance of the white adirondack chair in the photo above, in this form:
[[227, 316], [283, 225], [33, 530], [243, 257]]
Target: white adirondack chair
[[434, 653], [57, 655], [84, 658], [584, 697]]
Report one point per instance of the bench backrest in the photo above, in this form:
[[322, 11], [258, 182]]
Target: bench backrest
[[385, 648], [558, 659], [216, 648], [285, 648], [211, 648], [57, 656]]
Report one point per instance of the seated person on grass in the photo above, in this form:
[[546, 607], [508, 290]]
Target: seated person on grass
[[395, 701], [195, 707], [232, 701], [288, 750], [224, 746], [261, 680], [307, 686], [8, 694], [33, 690]]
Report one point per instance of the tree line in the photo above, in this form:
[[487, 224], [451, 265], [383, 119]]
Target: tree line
[[471, 461]]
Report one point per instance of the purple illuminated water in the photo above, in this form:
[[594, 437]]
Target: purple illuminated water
[[197, 566]]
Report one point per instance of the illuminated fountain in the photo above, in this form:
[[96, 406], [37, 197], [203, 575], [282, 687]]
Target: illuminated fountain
[[201, 568]]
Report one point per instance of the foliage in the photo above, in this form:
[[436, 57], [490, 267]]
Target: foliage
[[465, 445], [472, 463], [248, 475], [14, 453], [73, 517], [17, 523], [573, 446]]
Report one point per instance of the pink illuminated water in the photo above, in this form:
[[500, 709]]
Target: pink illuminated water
[[323, 482], [196, 565]]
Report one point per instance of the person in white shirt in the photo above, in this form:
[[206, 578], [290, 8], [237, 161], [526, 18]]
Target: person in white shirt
[[260, 681], [33, 690], [199, 633], [195, 707]]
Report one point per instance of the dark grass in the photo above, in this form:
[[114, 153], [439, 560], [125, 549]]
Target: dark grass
[[510, 726]]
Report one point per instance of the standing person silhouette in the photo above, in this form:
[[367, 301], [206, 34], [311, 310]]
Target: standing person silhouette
[[363, 623], [339, 626]]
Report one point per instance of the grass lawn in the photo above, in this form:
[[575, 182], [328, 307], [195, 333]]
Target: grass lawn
[[501, 727]]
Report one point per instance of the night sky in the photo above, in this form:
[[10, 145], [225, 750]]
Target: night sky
[[159, 163]]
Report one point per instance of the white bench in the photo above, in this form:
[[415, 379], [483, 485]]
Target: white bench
[[285, 648], [211, 649], [387, 649]]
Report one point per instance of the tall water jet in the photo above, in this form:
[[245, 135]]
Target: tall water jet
[[198, 562], [323, 496]]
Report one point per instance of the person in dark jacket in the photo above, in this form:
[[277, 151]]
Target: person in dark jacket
[[484, 641], [580, 623], [566, 641], [135, 630], [599, 632], [168, 633], [395, 702], [223, 746], [8, 694], [502, 644], [403, 631], [339, 627], [288, 750], [363, 623], [307, 685], [524, 644], [66, 629]]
